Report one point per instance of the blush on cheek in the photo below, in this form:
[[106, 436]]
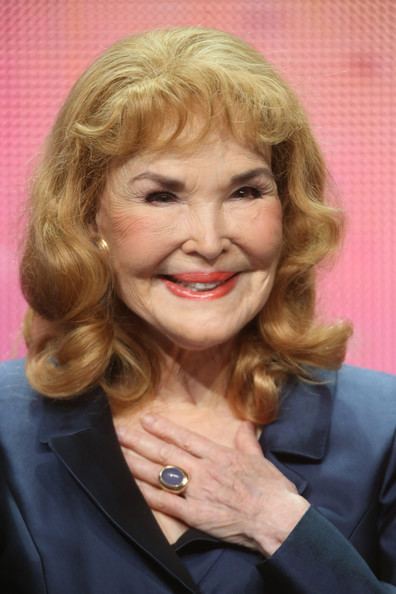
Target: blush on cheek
[[124, 226], [267, 230], [140, 241], [138, 232]]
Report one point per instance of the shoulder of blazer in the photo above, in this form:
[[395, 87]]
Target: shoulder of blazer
[[350, 399], [18, 401], [13, 379], [369, 395], [25, 412]]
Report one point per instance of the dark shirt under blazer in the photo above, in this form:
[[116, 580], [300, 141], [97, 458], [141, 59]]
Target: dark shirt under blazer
[[72, 520]]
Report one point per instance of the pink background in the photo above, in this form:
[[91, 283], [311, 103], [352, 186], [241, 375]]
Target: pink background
[[338, 55]]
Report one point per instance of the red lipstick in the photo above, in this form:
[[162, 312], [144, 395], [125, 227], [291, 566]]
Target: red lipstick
[[203, 277], [182, 285]]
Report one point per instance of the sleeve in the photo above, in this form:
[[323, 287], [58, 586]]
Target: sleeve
[[316, 557]]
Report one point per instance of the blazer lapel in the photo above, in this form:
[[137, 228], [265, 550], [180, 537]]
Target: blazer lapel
[[300, 432], [81, 433]]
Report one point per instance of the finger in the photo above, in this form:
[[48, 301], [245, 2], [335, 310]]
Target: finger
[[246, 439], [168, 503], [187, 440], [154, 449], [142, 469]]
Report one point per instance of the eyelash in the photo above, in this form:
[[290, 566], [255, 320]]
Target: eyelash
[[153, 197]]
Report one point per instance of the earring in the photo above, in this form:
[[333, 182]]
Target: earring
[[102, 245]]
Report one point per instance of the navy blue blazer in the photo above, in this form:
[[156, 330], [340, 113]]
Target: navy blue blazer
[[72, 520]]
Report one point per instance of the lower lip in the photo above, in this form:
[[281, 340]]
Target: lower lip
[[186, 293]]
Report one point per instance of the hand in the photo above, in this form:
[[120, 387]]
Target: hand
[[233, 494]]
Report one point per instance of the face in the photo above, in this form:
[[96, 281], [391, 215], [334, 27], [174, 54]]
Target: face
[[194, 239]]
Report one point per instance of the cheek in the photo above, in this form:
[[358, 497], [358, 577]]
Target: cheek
[[138, 241], [264, 232], [124, 228]]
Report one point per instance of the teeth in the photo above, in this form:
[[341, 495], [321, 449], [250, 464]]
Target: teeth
[[201, 286], [195, 286]]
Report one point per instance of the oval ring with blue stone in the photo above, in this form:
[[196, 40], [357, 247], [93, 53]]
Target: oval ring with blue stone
[[173, 479]]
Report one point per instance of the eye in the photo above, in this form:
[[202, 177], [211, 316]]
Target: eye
[[251, 192], [160, 198]]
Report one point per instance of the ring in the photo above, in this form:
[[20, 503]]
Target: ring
[[173, 479]]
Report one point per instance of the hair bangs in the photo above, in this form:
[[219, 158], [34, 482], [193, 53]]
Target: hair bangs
[[180, 111]]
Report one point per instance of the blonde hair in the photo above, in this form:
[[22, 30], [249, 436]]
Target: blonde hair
[[142, 93]]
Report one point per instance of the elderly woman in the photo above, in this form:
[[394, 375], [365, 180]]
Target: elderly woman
[[183, 422]]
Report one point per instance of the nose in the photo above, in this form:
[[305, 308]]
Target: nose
[[207, 234]]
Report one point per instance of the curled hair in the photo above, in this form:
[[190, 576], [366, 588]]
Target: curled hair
[[141, 94]]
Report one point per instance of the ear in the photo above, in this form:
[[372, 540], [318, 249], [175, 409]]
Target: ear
[[93, 231], [96, 226]]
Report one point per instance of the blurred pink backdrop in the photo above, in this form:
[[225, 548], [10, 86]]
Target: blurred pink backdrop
[[337, 54]]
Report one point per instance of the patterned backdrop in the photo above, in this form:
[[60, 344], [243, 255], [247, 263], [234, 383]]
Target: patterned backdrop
[[338, 55]]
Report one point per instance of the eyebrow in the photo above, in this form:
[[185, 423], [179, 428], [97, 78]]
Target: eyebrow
[[176, 185]]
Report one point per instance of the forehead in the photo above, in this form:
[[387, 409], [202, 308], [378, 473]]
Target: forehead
[[217, 153]]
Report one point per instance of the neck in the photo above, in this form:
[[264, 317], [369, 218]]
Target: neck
[[196, 378]]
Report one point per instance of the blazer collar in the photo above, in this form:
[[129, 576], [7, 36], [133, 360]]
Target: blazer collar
[[81, 434], [302, 427], [300, 430], [300, 433]]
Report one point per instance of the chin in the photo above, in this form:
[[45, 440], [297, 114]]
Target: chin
[[199, 342]]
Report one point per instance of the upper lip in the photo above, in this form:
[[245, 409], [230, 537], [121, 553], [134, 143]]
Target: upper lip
[[203, 277]]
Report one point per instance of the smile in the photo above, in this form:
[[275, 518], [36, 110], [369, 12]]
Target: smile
[[200, 286]]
